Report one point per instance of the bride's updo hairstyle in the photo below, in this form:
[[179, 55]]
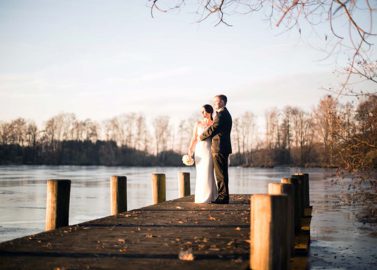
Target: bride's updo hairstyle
[[208, 108]]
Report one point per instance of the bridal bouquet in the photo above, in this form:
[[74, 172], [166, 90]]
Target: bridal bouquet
[[187, 160]]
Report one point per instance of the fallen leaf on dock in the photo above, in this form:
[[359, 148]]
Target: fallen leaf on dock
[[211, 218], [186, 255], [178, 207], [214, 248]]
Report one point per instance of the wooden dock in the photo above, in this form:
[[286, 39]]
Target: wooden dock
[[177, 234]]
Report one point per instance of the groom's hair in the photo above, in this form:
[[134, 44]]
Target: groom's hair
[[223, 98]]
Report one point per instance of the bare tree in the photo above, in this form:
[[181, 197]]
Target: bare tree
[[303, 131], [31, 134], [291, 14], [141, 134], [84, 130], [161, 133], [112, 130], [327, 123], [286, 127], [60, 127], [272, 137], [92, 130], [3, 133], [14, 132], [236, 134], [357, 139], [17, 131], [248, 131], [184, 133], [346, 27]]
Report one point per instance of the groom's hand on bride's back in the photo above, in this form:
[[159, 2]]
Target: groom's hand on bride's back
[[212, 130]]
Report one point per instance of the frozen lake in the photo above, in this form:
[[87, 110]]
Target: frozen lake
[[23, 191], [339, 241]]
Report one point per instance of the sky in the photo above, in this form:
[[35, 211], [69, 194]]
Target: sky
[[99, 59]]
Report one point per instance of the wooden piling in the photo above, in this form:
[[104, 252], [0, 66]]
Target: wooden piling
[[158, 187], [268, 232], [57, 204], [286, 189], [306, 190], [297, 201], [301, 193], [118, 189], [184, 184]]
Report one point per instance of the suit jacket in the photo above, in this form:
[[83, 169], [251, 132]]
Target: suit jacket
[[220, 133]]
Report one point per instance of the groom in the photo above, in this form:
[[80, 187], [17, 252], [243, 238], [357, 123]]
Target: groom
[[221, 146]]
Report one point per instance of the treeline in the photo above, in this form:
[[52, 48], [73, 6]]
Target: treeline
[[333, 134], [85, 153]]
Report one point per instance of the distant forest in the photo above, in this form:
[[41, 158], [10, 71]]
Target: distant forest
[[333, 134]]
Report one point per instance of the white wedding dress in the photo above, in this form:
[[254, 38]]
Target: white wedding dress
[[205, 188]]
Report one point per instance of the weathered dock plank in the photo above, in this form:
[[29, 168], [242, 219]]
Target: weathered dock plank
[[151, 237]]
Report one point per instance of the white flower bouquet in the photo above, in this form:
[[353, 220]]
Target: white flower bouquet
[[187, 160]]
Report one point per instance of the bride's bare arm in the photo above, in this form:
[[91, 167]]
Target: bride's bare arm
[[194, 140]]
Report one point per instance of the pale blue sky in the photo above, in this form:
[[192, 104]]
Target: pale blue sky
[[99, 59]]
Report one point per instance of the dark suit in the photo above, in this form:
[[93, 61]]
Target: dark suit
[[221, 148]]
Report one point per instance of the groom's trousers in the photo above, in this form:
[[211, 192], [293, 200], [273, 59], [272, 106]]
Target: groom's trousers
[[220, 164]]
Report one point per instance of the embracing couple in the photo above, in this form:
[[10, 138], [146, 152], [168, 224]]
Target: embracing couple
[[211, 144]]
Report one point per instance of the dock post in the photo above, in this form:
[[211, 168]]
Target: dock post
[[57, 204], [118, 189], [158, 187], [306, 190], [287, 189], [268, 232], [184, 184], [297, 201], [300, 186]]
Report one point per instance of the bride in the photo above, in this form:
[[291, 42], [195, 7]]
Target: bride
[[205, 188]]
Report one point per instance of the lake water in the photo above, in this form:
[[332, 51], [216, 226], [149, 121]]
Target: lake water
[[23, 191], [337, 238]]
